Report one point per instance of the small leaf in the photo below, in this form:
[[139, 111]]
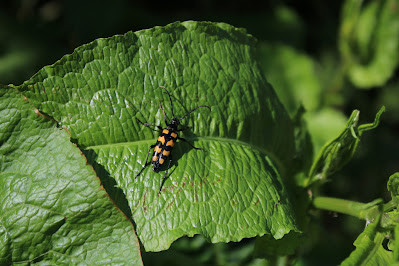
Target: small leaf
[[391, 218], [395, 248], [369, 249], [52, 208], [230, 190], [393, 185], [335, 154]]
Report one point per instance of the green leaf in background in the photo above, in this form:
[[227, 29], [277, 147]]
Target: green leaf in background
[[292, 75], [324, 125], [233, 189], [22, 51], [198, 251], [335, 154], [52, 207], [268, 247], [389, 98], [369, 41]]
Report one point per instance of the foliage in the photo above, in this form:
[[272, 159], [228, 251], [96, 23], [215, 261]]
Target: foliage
[[52, 206], [282, 131]]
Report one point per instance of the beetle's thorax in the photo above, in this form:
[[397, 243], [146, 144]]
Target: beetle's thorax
[[172, 126]]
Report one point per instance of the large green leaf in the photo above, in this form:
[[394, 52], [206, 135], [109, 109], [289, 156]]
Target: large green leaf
[[369, 41], [230, 190], [52, 207]]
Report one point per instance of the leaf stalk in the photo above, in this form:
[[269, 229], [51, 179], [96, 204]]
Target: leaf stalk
[[364, 211]]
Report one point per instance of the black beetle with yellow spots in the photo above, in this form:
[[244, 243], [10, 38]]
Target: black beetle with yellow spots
[[166, 140]]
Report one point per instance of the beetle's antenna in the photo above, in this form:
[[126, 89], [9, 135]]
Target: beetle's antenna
[[170, 98], [194, 110]]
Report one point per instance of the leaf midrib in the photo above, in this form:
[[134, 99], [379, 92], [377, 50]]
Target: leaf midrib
[[138, 142], [264, 151]]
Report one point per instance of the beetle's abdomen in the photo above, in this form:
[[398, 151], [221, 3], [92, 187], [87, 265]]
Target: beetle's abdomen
[[165, 143]]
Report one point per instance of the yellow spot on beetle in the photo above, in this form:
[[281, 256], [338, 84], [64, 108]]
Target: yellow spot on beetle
[[165, 153], [161, 160], [170, 143], [173, 134], [161, 139], [165, 131], [154, 158], [157, 149]]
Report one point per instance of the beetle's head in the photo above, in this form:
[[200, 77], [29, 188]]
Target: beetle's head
[[175, 122]]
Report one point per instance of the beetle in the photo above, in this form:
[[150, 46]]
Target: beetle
[[166, 139]]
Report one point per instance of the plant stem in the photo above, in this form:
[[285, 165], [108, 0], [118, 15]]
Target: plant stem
[[366, 211]]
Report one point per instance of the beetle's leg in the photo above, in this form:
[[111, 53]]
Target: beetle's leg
[[192, 146], [146, 159], [142, 169], [149, 125], [164, 176], [149, 150], [164, 115]]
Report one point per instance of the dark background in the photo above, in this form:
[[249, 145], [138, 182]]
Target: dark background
[[35, 33], [43, 31]]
